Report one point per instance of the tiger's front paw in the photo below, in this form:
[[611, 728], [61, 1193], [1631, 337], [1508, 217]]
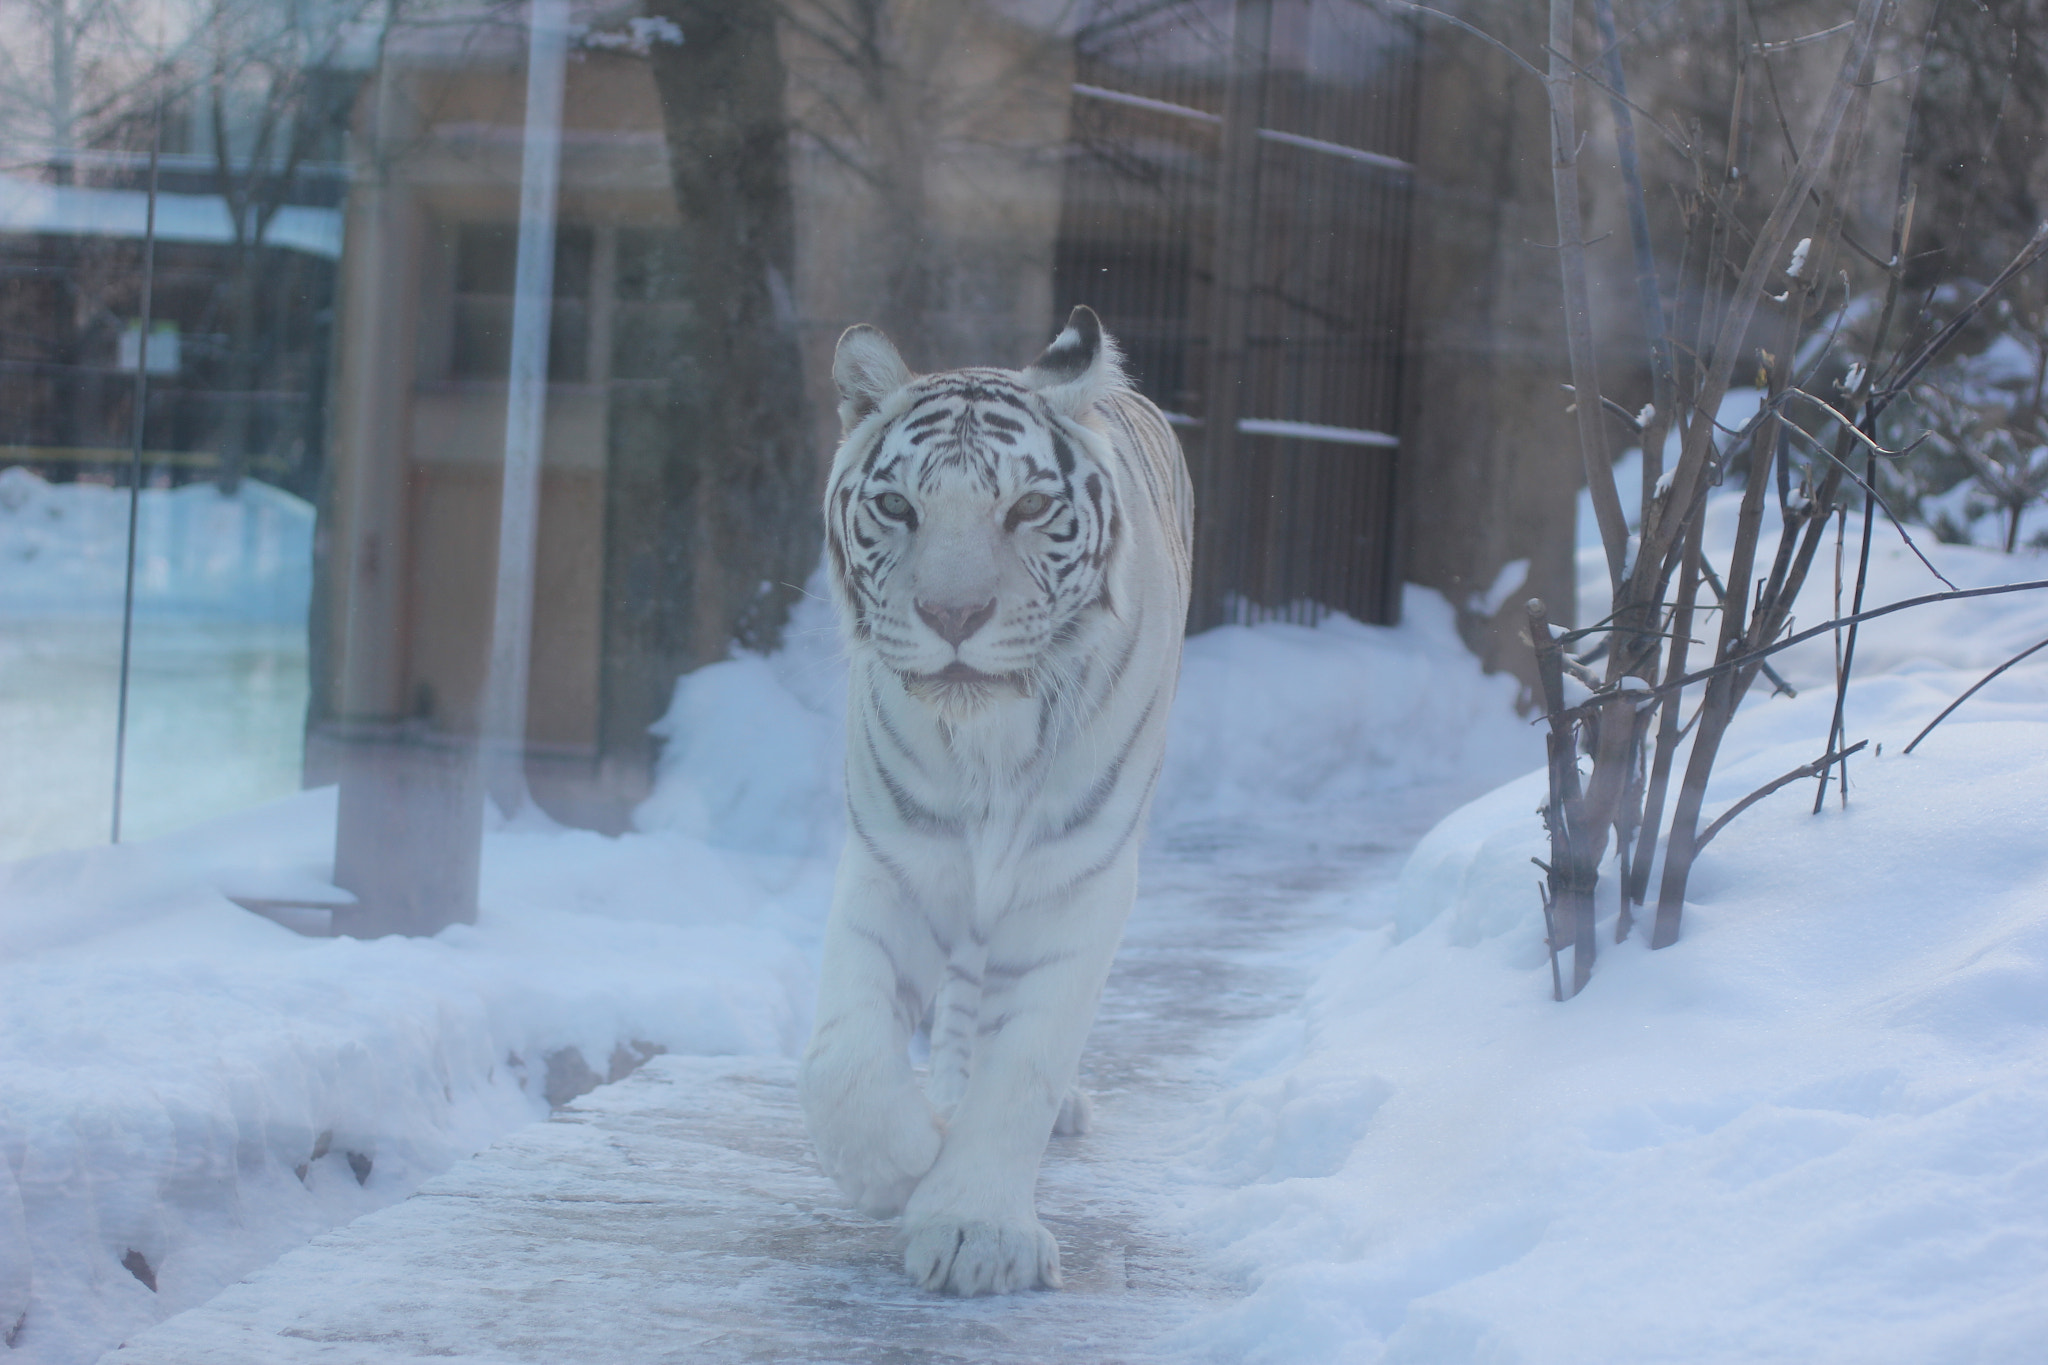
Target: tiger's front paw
[[876, 1143], [878, 1152], [969, 1256]]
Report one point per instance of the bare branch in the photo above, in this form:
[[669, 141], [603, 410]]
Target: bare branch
[[1743, 660], [1764, 257], [1678, 144], [1939, 342], [1803, 771], [1479, 33], [1578, 308], [1789, 43], [1649, 303], [1713, 579], [2031, 649]]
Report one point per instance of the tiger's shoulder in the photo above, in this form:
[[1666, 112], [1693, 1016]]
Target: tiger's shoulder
[[1152, 467]]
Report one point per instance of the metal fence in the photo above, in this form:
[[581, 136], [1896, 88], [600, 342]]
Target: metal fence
[[1236, 208]]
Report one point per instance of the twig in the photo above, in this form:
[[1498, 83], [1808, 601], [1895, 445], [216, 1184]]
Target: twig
[[1578, 307], [2028, 254], [1835, 319], [1649, 300], [1627, 418], [1669, 733], [1805, 770], [1479, 33], [1764, 257], [1549, 935], [1874, 496], [2031, 649], [1907, 198], [1838, 725], [1778, 683], [1790, 43], [1678, 144], [1571, 878], [1746, 659], [1851, 428]]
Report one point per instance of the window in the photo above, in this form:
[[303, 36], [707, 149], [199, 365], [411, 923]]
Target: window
[[486, 256]]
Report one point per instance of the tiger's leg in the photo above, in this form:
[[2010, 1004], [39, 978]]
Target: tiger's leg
[[955, 1030], [873, 1129], [1077, 1114], [954, 1021], [971, 1227]]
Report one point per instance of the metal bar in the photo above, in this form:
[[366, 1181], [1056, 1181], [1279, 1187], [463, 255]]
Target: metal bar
[[1338, 149], [135, 471], [1311, 431], [1298, 431], [1220, 560], [1097, 92], [1378, 160]]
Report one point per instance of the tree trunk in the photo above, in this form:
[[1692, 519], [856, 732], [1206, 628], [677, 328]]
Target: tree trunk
[[1489, 469], [711, 523], [236, 406]]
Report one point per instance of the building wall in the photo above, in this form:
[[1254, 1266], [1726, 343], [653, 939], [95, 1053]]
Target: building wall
[[412, 513], [1491, 467]]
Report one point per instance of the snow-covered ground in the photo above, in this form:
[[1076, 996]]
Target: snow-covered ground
[[170, 1064], [217, 700], [1814, 1130], [1811, 1131]]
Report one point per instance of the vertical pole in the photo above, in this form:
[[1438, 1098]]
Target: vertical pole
[[504, 711], [1219, 511], [135, 469], [408, 833]]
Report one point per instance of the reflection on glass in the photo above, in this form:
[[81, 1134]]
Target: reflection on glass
[[331, 346], [246, 106]]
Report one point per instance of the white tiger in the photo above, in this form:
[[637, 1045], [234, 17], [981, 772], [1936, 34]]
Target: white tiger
[[1009, 556]]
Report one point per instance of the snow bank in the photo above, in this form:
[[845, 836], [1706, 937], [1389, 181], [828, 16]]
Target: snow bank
[[1282, 720], [189, 1083], [199, 554], [1273, 722], [1809, 1131]]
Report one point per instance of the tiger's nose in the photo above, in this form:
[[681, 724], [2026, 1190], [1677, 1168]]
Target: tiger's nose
[[955, 624]]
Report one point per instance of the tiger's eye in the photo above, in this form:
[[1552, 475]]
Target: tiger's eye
[[894, 505], [1032, 504]]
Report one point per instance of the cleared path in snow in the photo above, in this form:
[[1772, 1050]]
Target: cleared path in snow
[[678, 1215]]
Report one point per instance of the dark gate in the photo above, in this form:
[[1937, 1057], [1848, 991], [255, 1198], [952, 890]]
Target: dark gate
[[1236, 208]]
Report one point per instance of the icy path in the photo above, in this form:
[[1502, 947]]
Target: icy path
[[678, 1215]]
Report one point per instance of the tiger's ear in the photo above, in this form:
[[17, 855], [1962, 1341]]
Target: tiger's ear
[[867, 370], [1082, 366]]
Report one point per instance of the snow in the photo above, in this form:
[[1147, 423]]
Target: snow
[[200, 555], [168, 1061], [1512, 578], [1809, 1131], [2006, 362], [218, 677], [34, 206]]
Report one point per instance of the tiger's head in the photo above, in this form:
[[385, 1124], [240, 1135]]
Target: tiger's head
[[972, 515]]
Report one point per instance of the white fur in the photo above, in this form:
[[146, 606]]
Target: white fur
[[995, 821]]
